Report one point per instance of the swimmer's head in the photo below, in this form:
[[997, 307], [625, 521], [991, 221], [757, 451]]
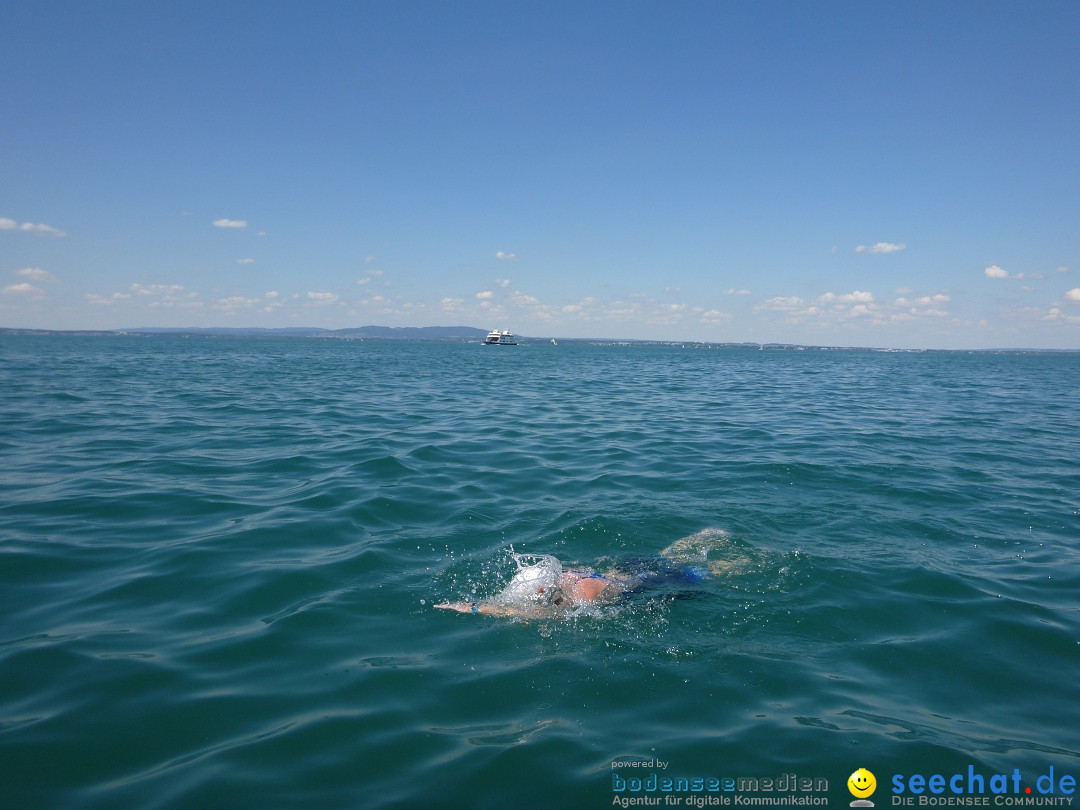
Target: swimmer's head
[[536, 580]]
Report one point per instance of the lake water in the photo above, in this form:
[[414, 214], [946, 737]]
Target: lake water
[[219, 560]]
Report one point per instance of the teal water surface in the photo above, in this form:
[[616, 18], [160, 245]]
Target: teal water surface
[[219, 560]]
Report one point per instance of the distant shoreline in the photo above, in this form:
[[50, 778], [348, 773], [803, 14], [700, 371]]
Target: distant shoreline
[[467, 334]]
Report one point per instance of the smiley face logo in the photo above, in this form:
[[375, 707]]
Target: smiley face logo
[[861, 783]]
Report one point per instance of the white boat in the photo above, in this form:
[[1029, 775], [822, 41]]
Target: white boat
[[497, 338]]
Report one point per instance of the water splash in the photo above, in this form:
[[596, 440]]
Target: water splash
[[535, 581]]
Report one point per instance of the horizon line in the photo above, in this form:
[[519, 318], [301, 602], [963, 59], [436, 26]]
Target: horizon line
[[290, 331]]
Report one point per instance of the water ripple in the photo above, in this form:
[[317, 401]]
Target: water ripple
[[218, 560]]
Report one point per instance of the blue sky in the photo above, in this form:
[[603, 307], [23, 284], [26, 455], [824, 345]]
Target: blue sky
[[900, 174]]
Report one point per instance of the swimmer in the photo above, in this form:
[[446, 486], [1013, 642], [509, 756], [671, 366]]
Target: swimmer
[[541, 587], [533, 592]]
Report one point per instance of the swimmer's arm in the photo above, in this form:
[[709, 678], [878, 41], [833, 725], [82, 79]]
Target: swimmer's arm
[[489, 609]]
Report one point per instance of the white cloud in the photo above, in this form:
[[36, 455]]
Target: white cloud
[[167, 296], [780, 304], [374, 272], [880, 247], [363, 281], [1063, 270], [321, 297], [1055, 314], [101, 300], [733, 291], [580, 306], [622, 311], [993, 271], [23, 288], [11, 225], [793, 307], [245, 261], [523, 306], [856, 297], [506, 257], [157, 289], [235, 302], [842, 310], [926, 300], [714, 316], [230, 223], [1073, 294], [523, 300], [503, 282], [36, 274], [856, 304], [643, 308]]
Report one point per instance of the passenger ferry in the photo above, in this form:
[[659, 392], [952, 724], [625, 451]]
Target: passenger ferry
[[497, 338]]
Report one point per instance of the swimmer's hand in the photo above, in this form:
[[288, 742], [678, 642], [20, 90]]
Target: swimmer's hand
[[460, 607]]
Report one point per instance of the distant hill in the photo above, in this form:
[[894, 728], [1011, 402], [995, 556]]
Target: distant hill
[[415, 332], [388, 332]]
